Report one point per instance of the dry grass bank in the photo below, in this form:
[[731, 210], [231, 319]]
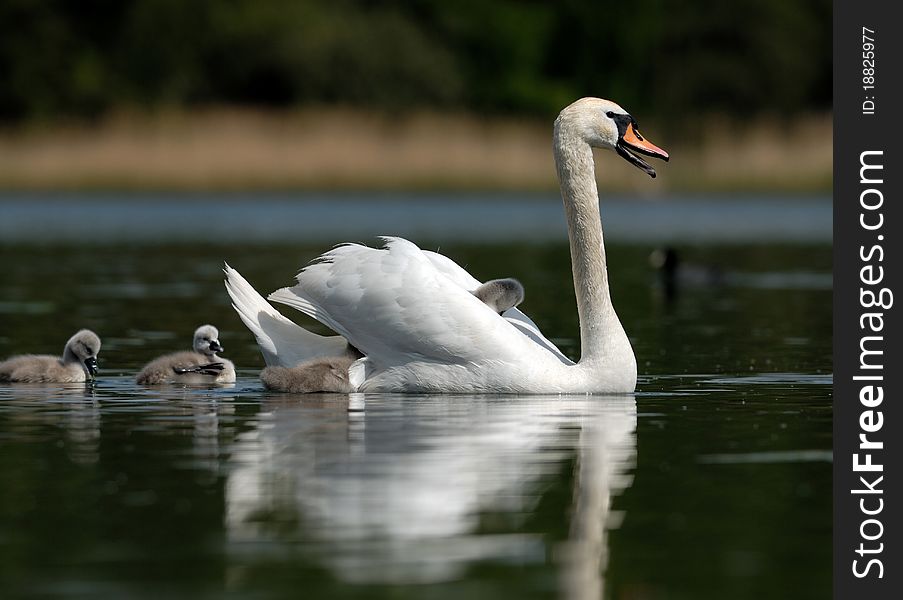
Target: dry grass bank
[[333, 149]]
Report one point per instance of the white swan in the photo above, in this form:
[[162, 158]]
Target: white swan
[[412, 315]]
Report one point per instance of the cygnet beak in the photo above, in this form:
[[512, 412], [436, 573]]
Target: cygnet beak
[[91, 365], [215, 347]]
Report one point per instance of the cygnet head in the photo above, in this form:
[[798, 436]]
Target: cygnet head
[[83, 347], [501, 294], [206, 340], [603, 124]]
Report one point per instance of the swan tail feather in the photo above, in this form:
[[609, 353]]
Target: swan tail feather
[[282, 342], [359, 371], [296, 299]]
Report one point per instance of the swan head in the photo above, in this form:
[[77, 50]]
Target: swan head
[[206, 340], [83, 347], [603, 124]]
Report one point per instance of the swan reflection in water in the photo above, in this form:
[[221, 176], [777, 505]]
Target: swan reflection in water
[[398, 492]]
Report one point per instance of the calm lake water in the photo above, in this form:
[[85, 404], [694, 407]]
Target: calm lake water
[[712, 481]]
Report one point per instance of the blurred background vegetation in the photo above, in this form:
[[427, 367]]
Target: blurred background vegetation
[[97, 79]]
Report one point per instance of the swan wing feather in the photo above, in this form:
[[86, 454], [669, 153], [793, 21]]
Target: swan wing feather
[[514, 315], [396, 306], [282, 342]]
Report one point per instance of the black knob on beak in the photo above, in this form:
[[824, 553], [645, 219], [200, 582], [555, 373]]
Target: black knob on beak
[[91, 365], [214, 345]]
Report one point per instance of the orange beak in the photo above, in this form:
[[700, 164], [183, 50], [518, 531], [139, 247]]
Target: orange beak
[[632, 143], [635, 141]]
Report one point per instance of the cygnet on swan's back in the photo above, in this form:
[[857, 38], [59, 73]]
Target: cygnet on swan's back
[[200, 366], [79, 361], [501, 294]]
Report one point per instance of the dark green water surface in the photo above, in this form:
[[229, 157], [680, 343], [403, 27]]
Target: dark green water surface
[[712, 481]]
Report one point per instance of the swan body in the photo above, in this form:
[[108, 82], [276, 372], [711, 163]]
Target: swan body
[[78, 363], [199, 366], [413, 313]]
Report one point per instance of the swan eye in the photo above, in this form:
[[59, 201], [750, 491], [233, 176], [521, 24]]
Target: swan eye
[[610, 114]]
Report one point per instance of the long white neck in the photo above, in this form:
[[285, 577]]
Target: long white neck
[[602, 338]]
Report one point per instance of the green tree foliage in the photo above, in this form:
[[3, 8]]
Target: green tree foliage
[[59, 57]]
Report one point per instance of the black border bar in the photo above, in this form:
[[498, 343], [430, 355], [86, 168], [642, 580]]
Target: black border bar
[[868, 420]]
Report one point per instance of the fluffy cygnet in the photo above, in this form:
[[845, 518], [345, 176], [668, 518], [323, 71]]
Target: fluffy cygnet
[[328, 374], [79, 361], [501, 294], [200, 366]]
